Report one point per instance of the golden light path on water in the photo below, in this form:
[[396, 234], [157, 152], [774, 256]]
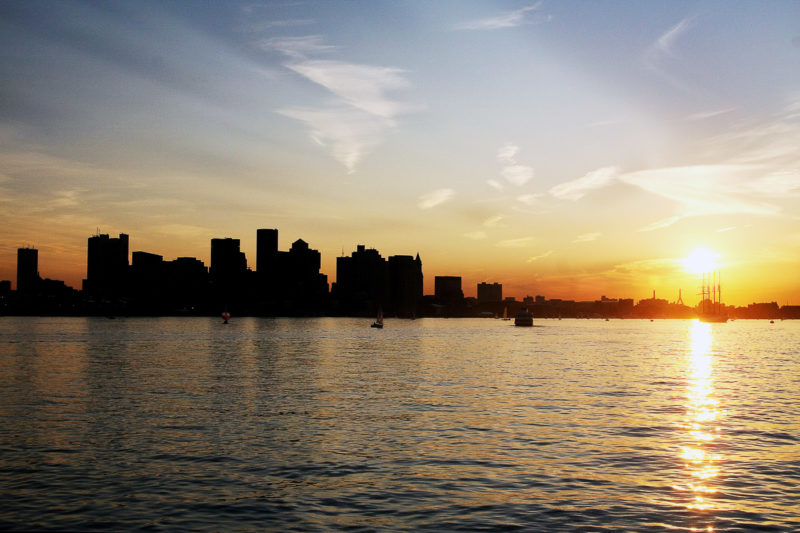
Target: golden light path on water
[[701, 422]]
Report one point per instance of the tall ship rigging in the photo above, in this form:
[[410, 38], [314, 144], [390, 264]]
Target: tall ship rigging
[[711, 307]]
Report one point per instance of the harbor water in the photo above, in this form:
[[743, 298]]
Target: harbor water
[[170, 424]]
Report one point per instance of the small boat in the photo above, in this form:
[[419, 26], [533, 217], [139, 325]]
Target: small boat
[[225, 317], [524, 318], [378, 321]]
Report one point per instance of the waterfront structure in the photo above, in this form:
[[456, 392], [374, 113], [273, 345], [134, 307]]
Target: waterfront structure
[[27, 270], [228, 273], [266, 250], [146, 288], [490, 292], [106, 266], [405, 285], [360, 287], [448, 289]]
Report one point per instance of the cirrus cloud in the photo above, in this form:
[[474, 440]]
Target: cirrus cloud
[[434, 198]]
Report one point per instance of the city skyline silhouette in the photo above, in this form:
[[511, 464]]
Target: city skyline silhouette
[[289, 283], [561, 147]]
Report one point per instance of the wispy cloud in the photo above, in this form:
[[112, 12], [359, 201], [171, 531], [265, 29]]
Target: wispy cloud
[[348, 134], [434, 198], [516, 243], [363, 109], [296, 47], [722, 230], [507, 19], [540, 256], [755, 169], [577, 189], [529, 199], [660, 224], [663, 50], [363, 87], [586, 237], [513, 172], [666, 43], [703, 115], [495, 185], [706, 189], [494, 222], [475, 235], [258, 26]]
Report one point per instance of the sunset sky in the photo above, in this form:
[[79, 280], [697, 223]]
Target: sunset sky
[[570, 149]]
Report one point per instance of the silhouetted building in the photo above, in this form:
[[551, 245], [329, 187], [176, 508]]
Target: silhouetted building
[[288, 283], [490, 292], [308, 288], [228, 272], [27, 270], [405, 285], [266, 250], [147, 282], [187, 284], [106, 266], [361, 282], [228, 263], [448, 289]]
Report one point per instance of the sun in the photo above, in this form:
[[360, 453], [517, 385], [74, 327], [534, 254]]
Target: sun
[[700, 260]]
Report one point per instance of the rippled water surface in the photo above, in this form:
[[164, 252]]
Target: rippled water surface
[[433, 424]]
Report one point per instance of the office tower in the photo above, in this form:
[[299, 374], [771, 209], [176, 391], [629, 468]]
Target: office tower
[[228, 263], [490, 292], [405, 285], [266, 250], [448, 289], [27, 270], [107, 266], [361, 286]]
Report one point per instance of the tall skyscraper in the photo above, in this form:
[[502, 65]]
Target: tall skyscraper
[[27, 270], [228, 273], [227, 261], [266, 250], [405, 285], [361, 286], [107, 265]]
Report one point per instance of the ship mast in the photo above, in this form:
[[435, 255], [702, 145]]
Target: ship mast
[[703, 293]]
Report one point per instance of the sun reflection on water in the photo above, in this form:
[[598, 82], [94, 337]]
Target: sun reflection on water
[[700, 422]]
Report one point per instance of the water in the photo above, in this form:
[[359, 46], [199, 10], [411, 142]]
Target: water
[[433, 424]]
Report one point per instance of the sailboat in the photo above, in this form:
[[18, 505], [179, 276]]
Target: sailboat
[[711, 311], [378, 321]]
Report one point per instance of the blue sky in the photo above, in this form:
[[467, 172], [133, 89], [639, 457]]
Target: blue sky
[[561, 147]]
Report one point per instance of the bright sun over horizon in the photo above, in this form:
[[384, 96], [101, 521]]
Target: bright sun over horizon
[[566, 149], [701, 260]]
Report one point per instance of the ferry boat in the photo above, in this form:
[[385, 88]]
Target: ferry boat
[[524, 318]]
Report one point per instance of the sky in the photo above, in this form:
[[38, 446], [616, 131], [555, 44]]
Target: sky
[[570, 149]]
